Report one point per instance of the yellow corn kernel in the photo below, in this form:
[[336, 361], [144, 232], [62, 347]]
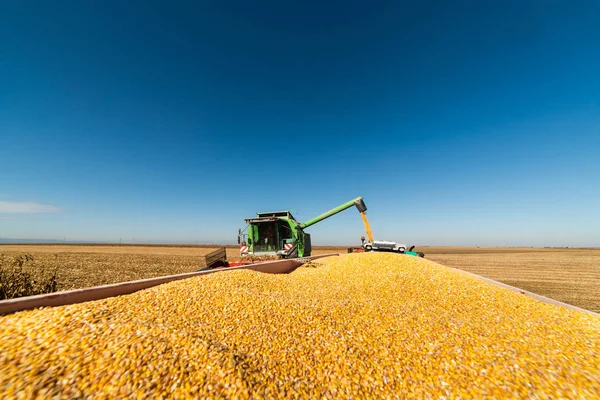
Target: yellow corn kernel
[[360, 325]]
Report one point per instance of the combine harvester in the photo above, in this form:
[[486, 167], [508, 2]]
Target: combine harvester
[[277, 234]]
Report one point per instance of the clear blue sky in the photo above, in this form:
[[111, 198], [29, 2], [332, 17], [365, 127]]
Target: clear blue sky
[[461, 123]]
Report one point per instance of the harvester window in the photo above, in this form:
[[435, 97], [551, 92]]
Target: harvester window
[[267, 237], [271, 236], [285, 234]]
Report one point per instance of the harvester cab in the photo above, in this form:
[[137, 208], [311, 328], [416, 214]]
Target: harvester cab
[[274, 234]]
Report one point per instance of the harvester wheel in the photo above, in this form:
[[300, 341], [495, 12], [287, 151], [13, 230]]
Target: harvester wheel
[[401, 249], [368, 248]]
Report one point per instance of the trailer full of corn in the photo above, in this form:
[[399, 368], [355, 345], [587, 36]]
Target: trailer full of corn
[[374, 325]]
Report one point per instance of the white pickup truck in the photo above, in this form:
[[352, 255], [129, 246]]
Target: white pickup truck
[[382, 245]]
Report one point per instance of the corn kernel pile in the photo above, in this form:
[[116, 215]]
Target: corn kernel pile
[[360, 325]]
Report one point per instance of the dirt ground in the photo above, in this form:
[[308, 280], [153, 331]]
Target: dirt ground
[[568, 275]]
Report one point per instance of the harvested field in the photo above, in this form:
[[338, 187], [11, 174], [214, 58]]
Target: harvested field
[[568, 275], [363, 325]]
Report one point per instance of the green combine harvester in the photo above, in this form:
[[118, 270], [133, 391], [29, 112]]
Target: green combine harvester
[[279, 234]]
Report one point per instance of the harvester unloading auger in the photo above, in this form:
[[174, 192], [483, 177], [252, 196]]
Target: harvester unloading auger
[[279, 234]]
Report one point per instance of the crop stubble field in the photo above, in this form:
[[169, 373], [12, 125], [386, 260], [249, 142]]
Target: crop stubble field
[[568, 275]]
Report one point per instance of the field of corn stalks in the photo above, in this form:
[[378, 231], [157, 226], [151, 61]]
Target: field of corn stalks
[[362, 325], [22, 276], [98, 265]]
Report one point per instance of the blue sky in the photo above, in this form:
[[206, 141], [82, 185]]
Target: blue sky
[[460, 123]]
